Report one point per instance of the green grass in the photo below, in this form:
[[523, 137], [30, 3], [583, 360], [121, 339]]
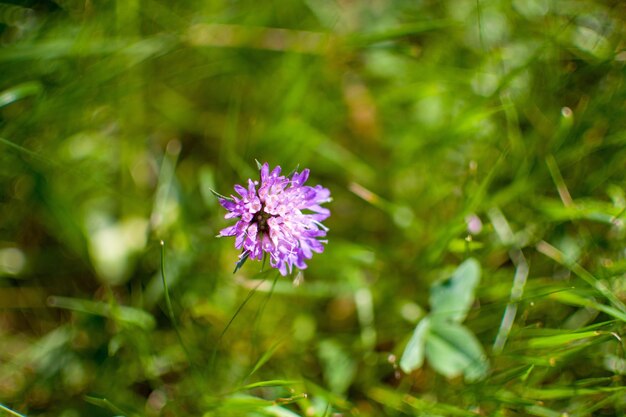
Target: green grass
[[118, 118]]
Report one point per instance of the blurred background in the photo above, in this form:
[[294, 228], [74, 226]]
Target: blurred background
[[444, 130]]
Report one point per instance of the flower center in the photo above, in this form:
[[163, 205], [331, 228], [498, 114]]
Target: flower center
[[260, 218]]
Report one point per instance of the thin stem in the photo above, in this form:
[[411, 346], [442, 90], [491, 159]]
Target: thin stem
[[170, 310], [260, 311], [232, 319], [480, 25], [11, 412], [558, 256], [104, 403]]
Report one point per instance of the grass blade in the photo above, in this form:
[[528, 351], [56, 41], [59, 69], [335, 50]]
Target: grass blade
[[558, 256], [125, 314], [10, 412]]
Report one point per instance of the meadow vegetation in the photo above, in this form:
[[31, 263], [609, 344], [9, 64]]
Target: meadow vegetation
[[475, 151]]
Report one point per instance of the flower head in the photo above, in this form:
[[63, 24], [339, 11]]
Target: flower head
[[279, 216]]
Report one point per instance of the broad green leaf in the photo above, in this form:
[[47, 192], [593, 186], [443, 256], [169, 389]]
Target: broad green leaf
[[451, 299], [413, 356], [453, 350]]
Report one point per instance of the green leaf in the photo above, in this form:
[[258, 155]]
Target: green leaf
[[413, 356], [453, 350], [451, 299]]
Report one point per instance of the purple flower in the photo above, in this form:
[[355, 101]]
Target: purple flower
[[279, 216]]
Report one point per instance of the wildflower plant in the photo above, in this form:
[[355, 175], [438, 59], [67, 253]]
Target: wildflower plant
[[278, 216]]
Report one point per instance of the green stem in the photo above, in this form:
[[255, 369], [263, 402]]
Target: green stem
[[232, 319], [170, 310], [10, 412], [259, 313]]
